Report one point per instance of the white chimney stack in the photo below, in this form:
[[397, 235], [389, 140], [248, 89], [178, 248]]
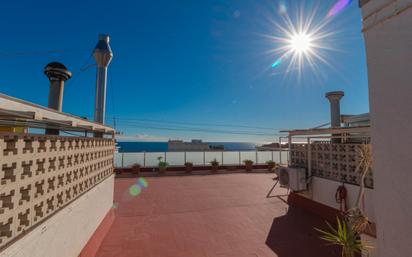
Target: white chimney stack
[[334, 99]]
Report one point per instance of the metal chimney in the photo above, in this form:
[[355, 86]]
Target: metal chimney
[[335, 119], [103, 55], [57, 74]]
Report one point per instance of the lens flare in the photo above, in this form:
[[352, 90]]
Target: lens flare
[[338, 7], [134, 190], [142, 182], [283, 8]]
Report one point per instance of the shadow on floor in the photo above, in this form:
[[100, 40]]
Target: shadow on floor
[[293, 235]]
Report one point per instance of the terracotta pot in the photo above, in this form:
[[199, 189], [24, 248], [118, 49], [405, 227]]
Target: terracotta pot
[[162, 170], [136, 170], [215, 167], [189, 168], [248, 167]]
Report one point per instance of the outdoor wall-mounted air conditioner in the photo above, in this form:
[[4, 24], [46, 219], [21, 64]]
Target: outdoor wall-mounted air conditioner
[[293, 178]]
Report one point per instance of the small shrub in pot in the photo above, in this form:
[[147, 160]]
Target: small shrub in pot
[[215, 165], [162, 165], [189, 167], [248, 165], [271, 165], [136, 168]]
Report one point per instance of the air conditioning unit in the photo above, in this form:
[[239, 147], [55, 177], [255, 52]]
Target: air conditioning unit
[[292, 178]]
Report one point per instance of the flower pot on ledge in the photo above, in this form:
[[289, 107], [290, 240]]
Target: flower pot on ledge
[[189, 167], [248, 165]]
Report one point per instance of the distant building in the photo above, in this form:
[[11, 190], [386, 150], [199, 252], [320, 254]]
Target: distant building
[[194, 145], [271, 147]]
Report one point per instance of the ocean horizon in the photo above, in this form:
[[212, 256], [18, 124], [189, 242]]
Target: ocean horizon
[[144, 146]]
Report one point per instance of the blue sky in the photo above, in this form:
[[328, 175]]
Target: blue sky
[[182, 61]]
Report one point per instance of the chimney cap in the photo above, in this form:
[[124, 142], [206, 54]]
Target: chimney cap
[[102, 52], [334, 95], [57, 71]]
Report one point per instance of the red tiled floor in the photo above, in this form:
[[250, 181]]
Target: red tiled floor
[[210, 216]]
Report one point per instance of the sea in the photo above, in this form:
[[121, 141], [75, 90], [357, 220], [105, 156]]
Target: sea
[[131, 147]]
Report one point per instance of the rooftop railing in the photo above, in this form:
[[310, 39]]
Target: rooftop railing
[[200, 158]]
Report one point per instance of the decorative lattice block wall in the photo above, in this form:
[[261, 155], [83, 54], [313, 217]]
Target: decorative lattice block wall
[[331, 161], [41, 174]]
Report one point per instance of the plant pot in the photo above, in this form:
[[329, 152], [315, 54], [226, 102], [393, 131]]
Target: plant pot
[[248, 167], [270, 167], [189, 169], [214, 168], [136, 171], [162, 170]]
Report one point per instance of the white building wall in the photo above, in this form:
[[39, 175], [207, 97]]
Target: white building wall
[[67, 232], [388, 38], [323, 191]]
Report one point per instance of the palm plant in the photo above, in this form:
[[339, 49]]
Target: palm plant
[[354, 222], [162, 164], [355, 216], [345, 237]]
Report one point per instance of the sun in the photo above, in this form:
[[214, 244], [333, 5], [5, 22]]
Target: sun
[[300, 43]]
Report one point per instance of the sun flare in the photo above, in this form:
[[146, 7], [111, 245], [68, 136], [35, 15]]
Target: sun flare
[[300, 43]]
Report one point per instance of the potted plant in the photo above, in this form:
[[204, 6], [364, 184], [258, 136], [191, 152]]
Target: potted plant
[[189, 167], [215, 165], [248, 164], [271, 165], [162, 165], [136, 168], [354, 222]]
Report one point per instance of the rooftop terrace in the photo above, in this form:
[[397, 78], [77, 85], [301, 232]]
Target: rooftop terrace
[[210, 215]]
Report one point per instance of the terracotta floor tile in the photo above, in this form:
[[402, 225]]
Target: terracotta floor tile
[[209, 216]]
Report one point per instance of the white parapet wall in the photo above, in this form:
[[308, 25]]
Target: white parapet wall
[[323, 191], [66, 232], [387, 28]]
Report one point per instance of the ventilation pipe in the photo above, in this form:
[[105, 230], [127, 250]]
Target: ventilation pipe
[[335, 117], [57, 74], [103, 55]]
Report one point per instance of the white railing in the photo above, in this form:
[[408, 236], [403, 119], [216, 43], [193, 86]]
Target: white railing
[[150, 159]]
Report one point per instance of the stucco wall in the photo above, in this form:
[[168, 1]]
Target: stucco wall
[[323, 191], [388, 38], [67, 232]]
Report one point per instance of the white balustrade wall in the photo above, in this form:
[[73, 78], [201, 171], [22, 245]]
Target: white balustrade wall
[[150, 159]]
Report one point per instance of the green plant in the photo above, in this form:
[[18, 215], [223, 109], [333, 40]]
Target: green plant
[[162, 164], [345, 237], [248, 164], [271, 165], [215, 165], [354, 222]]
